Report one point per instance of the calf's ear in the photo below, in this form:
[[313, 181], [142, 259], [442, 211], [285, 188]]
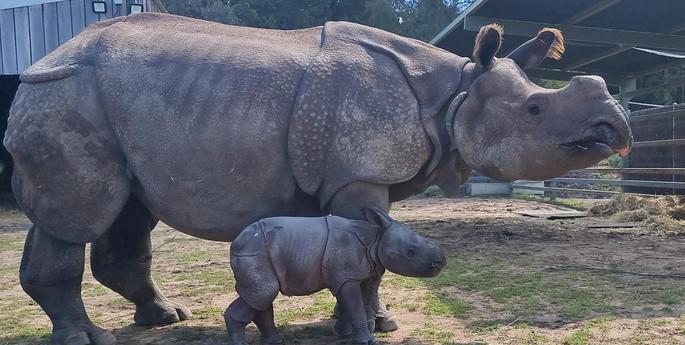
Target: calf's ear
[[487, 45], [548, 43], [377, 217]]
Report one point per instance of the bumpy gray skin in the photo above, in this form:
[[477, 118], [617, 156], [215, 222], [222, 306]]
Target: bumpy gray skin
[[209, 128], [302, 255]]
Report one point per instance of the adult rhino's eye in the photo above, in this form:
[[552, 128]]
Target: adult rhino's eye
[[534, 109]]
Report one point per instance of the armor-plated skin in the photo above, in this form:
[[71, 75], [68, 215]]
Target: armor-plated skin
[[210, 127], [299, 256]]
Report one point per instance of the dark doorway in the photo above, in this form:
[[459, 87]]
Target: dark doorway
[[8, 88]]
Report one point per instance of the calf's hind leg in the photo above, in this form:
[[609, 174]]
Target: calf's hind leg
[[237, 316], [265, 322], [51, 273], [121, 260]]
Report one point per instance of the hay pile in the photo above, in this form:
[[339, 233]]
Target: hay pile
[[657, 215]]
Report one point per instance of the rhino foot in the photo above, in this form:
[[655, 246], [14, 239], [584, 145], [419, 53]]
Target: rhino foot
[[385, 324], [275, 339], [368, 340], [160, 313], [87, 334]]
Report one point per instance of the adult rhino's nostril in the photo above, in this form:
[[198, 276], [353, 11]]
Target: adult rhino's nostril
[[609, 134]]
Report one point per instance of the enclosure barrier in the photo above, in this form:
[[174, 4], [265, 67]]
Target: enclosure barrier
[[553, 189], [659, 142]]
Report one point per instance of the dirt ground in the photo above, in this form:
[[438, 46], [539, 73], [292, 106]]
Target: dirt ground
[[510, 280]]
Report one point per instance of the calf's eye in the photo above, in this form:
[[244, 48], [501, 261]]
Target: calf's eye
[[534, 109]]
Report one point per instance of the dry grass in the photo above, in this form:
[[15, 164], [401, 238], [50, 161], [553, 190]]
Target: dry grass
[[497, 289], [664, 215]]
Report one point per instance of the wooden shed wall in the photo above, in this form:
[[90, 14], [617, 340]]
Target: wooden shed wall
[[31, 32]]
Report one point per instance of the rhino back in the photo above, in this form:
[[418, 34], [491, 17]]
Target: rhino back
[[200, 111]]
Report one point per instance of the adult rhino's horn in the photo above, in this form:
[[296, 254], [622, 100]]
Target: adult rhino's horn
[[549, 43]]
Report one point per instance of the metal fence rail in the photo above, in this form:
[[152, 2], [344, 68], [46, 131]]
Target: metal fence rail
[[553, 189]]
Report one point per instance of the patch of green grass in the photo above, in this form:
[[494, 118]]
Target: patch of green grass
[[573, 295], [391, 280], [93, 289], [208, 313], [201, 256], [431, 333], [120, 303], [534, 338], [439, 304], [11, 245], [580, 337], [669, 295], [576, 204], [16, 332], [324, 303], [214, 280]]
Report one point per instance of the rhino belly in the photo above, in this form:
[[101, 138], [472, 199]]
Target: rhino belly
[[207, 145]]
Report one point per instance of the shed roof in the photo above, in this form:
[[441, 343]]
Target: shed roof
[[31, 29], [618, 39]]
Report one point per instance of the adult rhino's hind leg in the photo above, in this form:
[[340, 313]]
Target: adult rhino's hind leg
[[121, 260], [51, 273], [70, 180]]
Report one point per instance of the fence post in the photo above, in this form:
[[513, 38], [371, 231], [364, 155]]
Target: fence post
[[553, 194]]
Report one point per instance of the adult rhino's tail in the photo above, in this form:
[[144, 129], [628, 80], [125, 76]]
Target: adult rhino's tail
[[69, 173], [66, 60]]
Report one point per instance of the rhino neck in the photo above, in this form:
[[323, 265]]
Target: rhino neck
[[373, 255], [451, 171]]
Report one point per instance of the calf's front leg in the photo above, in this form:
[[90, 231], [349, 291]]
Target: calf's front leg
[[348, 203], [352, 311]]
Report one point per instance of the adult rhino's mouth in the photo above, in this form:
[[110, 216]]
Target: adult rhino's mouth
[[602, 138]]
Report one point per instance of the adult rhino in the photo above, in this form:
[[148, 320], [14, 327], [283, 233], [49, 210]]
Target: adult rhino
[[209, 128]]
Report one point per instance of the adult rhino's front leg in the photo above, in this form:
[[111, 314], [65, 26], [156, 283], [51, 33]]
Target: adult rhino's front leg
[[51, 273], [121, 260], [348, 202]]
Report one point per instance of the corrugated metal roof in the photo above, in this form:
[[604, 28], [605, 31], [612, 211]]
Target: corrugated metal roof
[[618, 39]]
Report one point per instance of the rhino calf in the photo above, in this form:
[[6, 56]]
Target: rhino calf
[[302, 255]]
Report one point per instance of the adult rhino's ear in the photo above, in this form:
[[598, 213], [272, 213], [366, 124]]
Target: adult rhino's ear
[[378, 217], [548, 43], [488, 42]]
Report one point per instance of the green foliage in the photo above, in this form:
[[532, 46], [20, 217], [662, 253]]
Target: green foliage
[[215, 10], [421, 19], [615, 161]]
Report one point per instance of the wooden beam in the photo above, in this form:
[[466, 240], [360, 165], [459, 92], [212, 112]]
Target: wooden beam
[[589, 11], [658, 68], [596, 57], [652, 89], [552, 74], [456, 22], [583, 34]]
